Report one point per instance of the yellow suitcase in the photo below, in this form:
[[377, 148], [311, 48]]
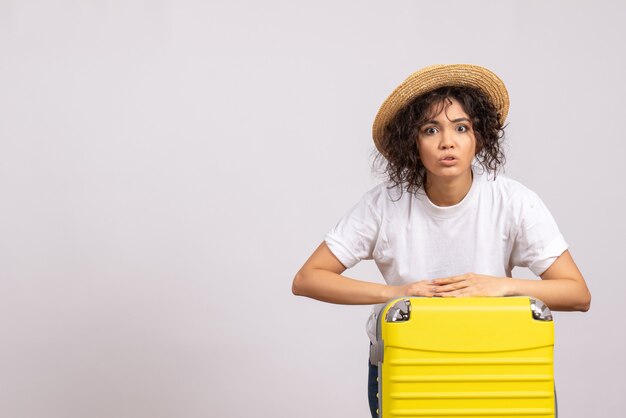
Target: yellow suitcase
[[465, 357]]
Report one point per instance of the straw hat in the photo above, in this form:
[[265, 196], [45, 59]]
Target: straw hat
[[433, 77]]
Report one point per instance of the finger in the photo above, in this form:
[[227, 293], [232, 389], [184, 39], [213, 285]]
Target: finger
[[431, 290], [452, 294], [446, 288], [469, 291], [452, 287], [419, 289], [448, 280], [455, 293]]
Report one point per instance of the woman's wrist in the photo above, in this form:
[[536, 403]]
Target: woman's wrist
[[515, 287], [393, 291]]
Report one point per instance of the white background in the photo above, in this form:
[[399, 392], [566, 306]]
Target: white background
[[167, 166]]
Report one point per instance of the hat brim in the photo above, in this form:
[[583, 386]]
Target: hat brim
[[436, 76]]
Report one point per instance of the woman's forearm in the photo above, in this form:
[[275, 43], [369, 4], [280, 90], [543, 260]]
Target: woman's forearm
[[558, 294], [562, 287], [321, 278], [331, 287]]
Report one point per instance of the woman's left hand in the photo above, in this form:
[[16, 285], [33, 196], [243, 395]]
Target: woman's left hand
[[471, 284]]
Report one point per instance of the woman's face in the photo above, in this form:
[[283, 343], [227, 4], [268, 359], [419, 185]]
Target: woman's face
[[446, 143]]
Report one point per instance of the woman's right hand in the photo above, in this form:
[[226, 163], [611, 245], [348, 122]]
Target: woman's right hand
[[424, 288], [320, 278]]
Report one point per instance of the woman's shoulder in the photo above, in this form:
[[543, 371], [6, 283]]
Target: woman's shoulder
[[388, 193], [375, 192], [385, 198], [511, 196], [506, 187]]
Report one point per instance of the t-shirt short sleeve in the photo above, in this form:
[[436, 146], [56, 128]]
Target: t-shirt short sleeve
[[538, 242], [354, 237]]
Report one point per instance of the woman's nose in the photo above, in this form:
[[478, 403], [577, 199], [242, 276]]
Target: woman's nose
[[447, 140]]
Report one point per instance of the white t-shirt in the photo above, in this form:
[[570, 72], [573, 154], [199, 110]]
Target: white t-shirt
[[500, 224]]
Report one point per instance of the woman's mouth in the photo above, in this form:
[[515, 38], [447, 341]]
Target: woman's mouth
[[448, 160]]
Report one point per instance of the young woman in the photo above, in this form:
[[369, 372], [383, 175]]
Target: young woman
[[444, 224]]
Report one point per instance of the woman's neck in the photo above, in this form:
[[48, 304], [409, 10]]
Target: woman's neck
[[448, 192]]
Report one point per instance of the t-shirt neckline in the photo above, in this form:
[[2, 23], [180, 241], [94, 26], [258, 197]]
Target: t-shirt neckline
[[450, 211]]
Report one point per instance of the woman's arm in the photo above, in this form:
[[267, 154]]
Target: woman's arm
[[563, 287], [320, 278]]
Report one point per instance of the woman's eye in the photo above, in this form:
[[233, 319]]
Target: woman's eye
[[430, 131], [462, 128]]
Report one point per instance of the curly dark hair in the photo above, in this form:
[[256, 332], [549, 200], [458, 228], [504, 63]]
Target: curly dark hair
[[399, 158]]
